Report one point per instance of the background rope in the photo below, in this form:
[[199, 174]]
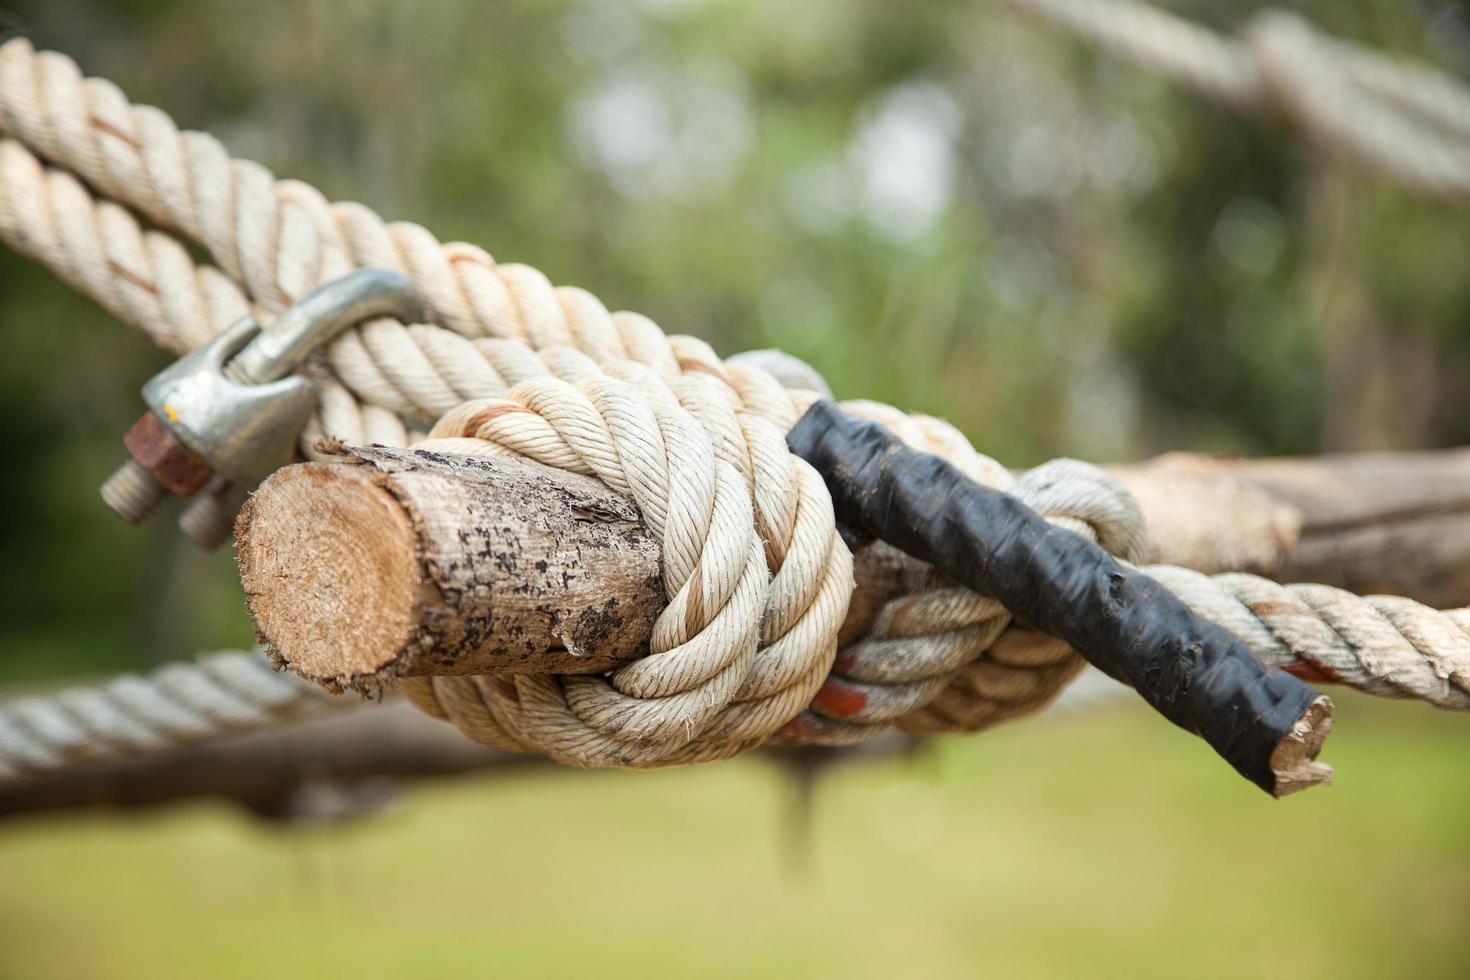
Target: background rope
[[1403, 120], [178, 704]]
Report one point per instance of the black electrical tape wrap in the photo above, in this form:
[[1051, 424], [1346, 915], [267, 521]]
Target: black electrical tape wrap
[[1197, 674]]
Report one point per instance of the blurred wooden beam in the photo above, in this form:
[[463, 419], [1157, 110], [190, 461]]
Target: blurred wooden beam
[[337, 767], [1396, 523]]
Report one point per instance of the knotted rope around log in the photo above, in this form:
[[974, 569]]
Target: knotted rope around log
[[739, 649], [175, 178], [101, 247]]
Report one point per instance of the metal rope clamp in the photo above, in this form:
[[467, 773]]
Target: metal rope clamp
[[223, 417]]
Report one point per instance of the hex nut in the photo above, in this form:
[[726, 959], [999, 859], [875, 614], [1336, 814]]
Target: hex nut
[[172, 463]]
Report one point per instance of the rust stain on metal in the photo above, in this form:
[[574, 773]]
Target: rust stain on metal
[[171, 462]]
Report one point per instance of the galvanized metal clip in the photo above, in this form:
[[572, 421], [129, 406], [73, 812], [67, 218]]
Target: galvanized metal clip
[[223, 417]]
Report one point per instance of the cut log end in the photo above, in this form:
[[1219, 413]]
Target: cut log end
[[329, 562], [396, 563]]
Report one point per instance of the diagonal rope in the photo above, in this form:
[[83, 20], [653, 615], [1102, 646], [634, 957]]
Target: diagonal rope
[[1400, 119]]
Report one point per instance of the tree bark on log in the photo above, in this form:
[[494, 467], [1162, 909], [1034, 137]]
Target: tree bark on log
[[399, 564]]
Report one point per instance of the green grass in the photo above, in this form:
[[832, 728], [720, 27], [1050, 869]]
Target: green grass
[[1100, 844]]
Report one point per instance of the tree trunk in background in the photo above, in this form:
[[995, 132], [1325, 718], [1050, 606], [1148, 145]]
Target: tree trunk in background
[[1382, 381]]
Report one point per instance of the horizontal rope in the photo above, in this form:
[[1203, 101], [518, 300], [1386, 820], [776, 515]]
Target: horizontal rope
[[175, 705]]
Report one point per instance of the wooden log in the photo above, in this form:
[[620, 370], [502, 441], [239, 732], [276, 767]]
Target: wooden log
[[398, 564], [1395, 523], [394, 563], [342, 766]]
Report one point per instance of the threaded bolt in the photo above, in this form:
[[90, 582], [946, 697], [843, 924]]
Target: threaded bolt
[[210, 517], [133, 492]]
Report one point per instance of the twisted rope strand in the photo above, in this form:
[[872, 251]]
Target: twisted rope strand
[[178, 704], [1389, 646], [146, 278]]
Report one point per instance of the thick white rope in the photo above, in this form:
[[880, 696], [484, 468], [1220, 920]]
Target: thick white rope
[[175, 705], [660, 418], [697, 361], [1401, 119], [1386, 645], [182, 190]]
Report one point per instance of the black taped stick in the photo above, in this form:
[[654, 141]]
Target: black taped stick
[[1267, 724]]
